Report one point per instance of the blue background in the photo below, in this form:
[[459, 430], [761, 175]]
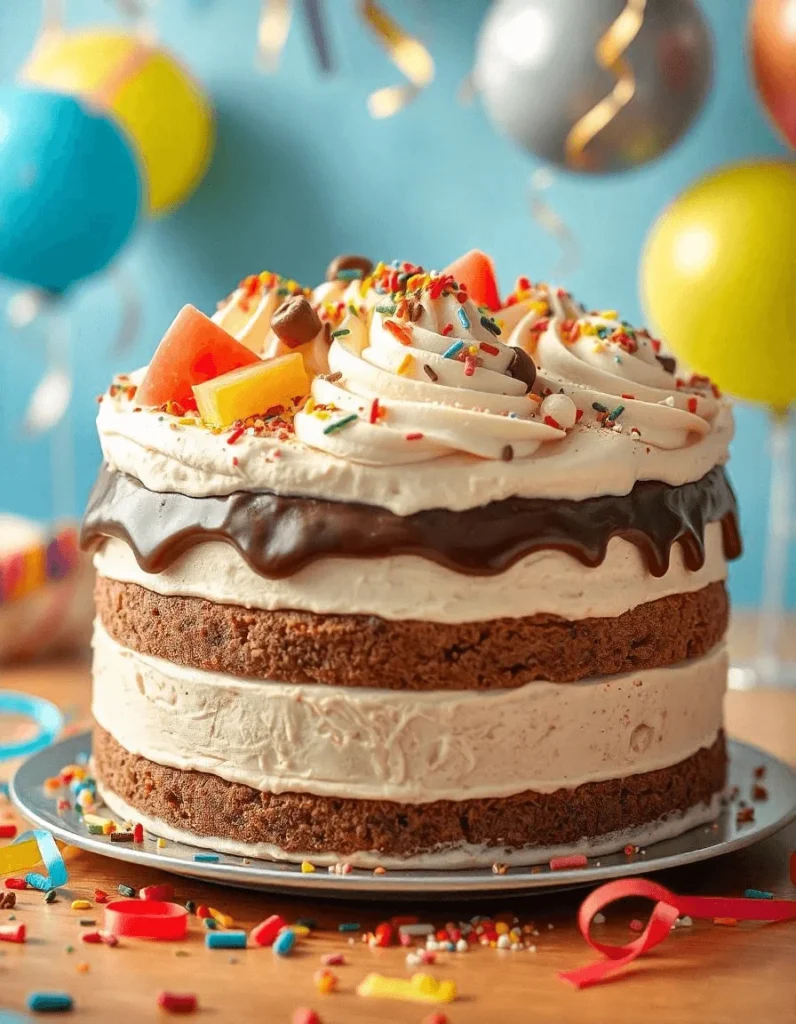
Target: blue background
[[301, 173]]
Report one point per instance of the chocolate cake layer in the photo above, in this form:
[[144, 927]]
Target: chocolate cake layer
[[278, 535], [297, 823], [363, 650]]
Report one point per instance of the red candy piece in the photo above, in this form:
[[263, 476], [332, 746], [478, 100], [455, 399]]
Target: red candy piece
[[163, 892], [193, 350], [175, 1002], [94, 938], [476, 270], [146, 919], [264, 933], [384, 934], [100, 896], [436, 1018], [305, 1016], [138, 833], [12, 933], [16, 883], [202, 911], [576, 860], [333, 959], [8, 831]]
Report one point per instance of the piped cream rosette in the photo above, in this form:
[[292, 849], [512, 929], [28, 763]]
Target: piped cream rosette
[[246, 314], [402, 391], [614, 376]]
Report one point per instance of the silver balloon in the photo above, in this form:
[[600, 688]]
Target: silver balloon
[[538, 73]]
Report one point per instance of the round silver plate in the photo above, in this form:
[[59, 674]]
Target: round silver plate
[[701, 843]]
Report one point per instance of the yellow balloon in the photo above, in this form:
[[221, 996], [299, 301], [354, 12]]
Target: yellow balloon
[[154, 98], [718, 279]]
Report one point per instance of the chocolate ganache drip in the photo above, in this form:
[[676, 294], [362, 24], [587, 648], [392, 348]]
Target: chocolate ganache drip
[[279, 535]]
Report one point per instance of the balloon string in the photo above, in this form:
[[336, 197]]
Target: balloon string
[[52, 17], [608, 53], [408, 55], [130, 317], [272, 31], [552, 223], [62, 454], [320, 39]]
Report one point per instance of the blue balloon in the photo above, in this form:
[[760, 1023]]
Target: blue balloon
[[70, 190]]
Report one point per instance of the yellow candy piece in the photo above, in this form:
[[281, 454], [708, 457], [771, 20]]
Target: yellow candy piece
[[81, 905], [96, 819], [252, 389], [421, 988], [307, 868], [223, 919]]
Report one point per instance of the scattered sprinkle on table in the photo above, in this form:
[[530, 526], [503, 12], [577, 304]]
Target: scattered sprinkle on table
[[206, 858], [226, 940], [49, 1002], [284, 942], [178, 1002]]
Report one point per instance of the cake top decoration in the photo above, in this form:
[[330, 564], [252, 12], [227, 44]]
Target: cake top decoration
[[391, 365]]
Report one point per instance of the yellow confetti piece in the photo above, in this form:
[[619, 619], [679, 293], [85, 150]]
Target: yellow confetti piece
[[610, 47], [19, 857], [421, 988], [81, 905], [307, 868], [408, 54], [95, 819], [301, 931], [161, 844]]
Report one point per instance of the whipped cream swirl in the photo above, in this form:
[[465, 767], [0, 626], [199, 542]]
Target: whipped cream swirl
[[429, 382], [618, 378]]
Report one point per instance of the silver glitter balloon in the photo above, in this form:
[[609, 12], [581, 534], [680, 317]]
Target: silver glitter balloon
[[538, 74]]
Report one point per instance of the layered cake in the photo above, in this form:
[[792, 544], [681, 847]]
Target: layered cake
[[397, 572]]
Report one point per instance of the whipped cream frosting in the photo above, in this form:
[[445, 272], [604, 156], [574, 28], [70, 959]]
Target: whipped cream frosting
[[413, 400], [613, 374], [396, 394], [166, 455], [406, 747], [409, 587]]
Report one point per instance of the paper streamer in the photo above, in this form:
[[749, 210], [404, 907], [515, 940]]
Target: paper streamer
[[272, 31], [30, 849], [320, 38], [406, 52], [551, 222], [668, 907], [46, 716], [608, 53]]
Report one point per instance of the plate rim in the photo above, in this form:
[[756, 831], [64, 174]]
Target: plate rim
[[419, 883]]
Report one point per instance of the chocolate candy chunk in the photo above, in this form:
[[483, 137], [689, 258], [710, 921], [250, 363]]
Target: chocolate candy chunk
[[522, 367], [344, 268], [295, 322], [668, 363]]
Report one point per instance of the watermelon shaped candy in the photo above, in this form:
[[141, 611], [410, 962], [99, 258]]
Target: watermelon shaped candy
[[193, 350], [476, 270]]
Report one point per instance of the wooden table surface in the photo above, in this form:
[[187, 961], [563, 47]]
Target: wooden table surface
[[703, 974]]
